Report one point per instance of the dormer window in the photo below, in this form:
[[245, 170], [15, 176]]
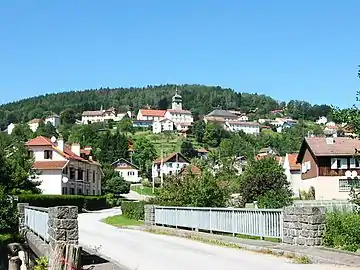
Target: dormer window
[[48, 154]]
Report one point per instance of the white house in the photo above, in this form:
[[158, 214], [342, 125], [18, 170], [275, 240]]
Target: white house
[[163, 125], [330, 124], [150, 115], [322, 120], [247, 127], [293, 173], [10, 128], [103, 116], [170, 165], [64, 169], [54, 119], [127, 170], [34, 124]]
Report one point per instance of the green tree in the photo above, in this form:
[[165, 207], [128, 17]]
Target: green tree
[[8, 215], [196, 191], [187, 149], [126, 125], [68, 117], [214, 133], [199, 130], [21, 133], [117, 185], [265, 179], [46, 130], [163, 104], [144, 154]]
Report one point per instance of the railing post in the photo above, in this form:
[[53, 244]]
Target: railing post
[[176, 217], [262, 225], [210, 221], [233, 223], [21, 211]]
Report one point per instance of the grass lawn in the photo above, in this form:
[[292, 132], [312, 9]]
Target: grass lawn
[[144, 190], [120, 221]]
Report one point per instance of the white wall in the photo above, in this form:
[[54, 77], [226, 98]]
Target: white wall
[[34, 126], [179, 117], [55, 121], [156, 127], [39, 154], [130, 178], [173, 167], [50, 181]]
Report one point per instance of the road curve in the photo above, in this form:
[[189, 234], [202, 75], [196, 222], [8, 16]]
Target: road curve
[[145, 251]]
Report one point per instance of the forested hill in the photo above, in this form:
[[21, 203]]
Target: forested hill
[[199, 99]]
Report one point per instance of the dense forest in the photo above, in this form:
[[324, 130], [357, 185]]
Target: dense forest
[[199, 99]]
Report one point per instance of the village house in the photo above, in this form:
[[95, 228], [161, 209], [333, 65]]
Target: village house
[[321, 121], [292, 171], [169, 165], [247, 127], [150, 115], [110, 114], [64, 169], [329, 165], [54, 119], [219, 115], [34, 124], [163, 125], [10, 128], [127, 170]]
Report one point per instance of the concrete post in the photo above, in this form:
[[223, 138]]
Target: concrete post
[[303, 225], [14, 263], [149, 214], [63, 232], [21, 211]]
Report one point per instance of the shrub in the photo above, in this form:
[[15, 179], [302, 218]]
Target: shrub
[[133, 210], [112, 200], [342, 231], [82, 202]]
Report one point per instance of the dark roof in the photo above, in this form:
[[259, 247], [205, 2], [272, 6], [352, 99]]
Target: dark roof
[[123, 160], [165, 159], [222, 113]]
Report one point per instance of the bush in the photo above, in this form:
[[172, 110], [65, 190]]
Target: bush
[[82, 202], [342, 231], [112, 200], [133, 210]]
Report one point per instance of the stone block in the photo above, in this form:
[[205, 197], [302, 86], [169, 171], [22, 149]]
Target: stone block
[[300, 241], [318, 241], [305, 233], [316, 219], [63, 212], [290, 210], [288, 240], [310, 242], [57, 234], [294, 232], [290, 218], [68, 224], [72, 235]]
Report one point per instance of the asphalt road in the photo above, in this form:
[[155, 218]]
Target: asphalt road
[[145, 251]]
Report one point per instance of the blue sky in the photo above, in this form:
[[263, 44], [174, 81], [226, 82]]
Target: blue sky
[[307, 50]]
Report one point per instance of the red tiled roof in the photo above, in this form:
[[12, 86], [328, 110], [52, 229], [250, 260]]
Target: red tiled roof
[[86, 152], [49, 165], [35, 121], [40, 141], [292, 162], [165, 159], [190, 169], [179, 111], [157, 113]]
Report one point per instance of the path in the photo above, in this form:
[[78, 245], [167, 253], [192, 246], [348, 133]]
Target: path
[[145, 251], [134, 196]]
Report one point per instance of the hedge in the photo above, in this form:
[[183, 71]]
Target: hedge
[[133, 210], [82, 202], [342, 231]]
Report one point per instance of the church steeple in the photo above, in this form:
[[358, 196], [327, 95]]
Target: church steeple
[[176, 101]]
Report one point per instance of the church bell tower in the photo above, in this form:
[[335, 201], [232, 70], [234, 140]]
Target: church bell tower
[[176, 101]]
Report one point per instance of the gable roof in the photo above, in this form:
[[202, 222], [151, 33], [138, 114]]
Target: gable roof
[[167, 158], [190, 169], [294, 166], [318, 146], [92, 113], [35, 121], [156, 113], [222, 113], [67, 153], [129, 164], [179, 111]]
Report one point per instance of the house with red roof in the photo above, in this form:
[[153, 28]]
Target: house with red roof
[[65, 169], [293, 172], [150, 115], [169, 165]]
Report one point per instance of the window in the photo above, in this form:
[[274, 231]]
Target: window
[[80, 174], [79, 191], [72, 191], [343, 163], [131, 173], [339, 163], [30, 154], [93, 192], [353, 163], [65, 171], [72, 173], [48, 154], [93, 177], [87, 175], [170, 165], [64, 190]]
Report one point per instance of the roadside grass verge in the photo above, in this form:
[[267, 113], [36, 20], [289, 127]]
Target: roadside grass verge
[[122, 221], [144, 190]]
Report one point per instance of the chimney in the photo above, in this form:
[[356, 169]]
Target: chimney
[[75, 148], [330, 140], [60, 144]]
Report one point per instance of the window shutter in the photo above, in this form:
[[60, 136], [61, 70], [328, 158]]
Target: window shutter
[[333, 163]]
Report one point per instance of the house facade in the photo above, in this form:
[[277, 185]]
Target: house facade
[[248, 127], [170, 165], [54, 119], [322, 120], [329, 165], [64, 169], [150, 115], [10, 128], [163, 125], [181, 118], [34, 124], [219, 115], [112, 114], [292, 171], [127, 170]]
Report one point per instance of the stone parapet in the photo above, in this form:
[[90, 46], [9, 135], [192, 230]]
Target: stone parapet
[[149, 214], [303, 225]]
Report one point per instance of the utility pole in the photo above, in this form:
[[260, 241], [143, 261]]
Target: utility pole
[[161, 167], [153, 179]]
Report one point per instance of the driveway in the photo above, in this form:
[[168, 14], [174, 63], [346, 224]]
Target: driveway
[[145, 251]]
